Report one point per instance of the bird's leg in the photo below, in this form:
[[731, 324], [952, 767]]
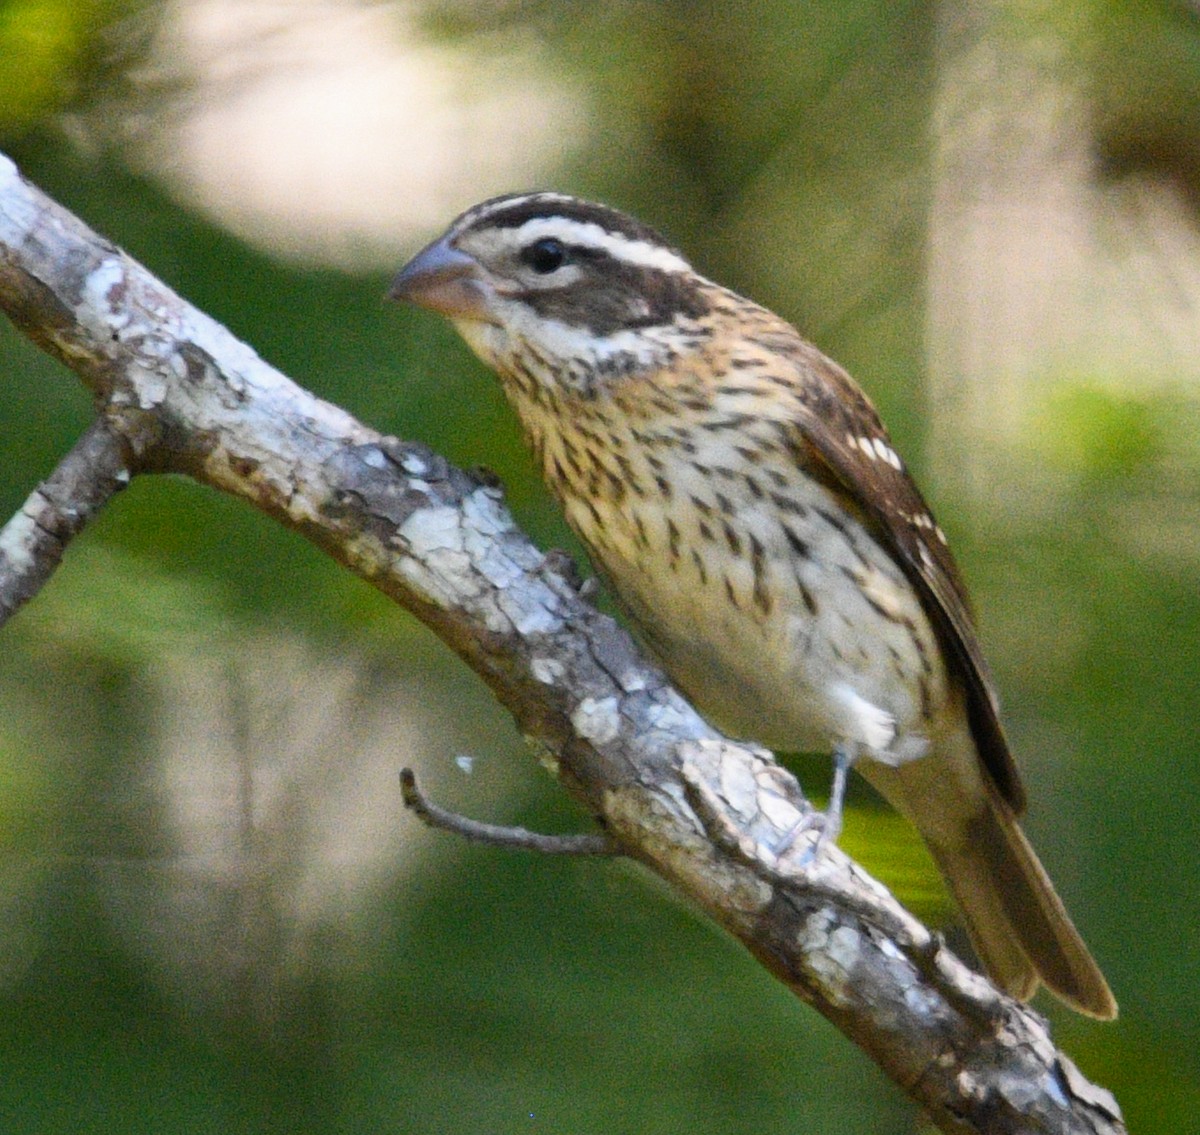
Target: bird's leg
[[844, 754], [830, 821]]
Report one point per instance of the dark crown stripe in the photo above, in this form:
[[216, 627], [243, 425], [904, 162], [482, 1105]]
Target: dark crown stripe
[[499, 213]]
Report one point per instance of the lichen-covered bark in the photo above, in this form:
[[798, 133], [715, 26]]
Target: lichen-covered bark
[[183, 395]]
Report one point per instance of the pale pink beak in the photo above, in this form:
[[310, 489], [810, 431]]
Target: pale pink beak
[[444, 280]]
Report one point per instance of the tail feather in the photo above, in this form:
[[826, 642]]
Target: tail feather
[[1017, 923]]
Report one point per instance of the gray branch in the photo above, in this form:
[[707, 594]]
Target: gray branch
[[184, 396], [494, 835], [33, 541]]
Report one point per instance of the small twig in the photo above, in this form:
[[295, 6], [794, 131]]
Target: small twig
[[497, 835], [33, 541]]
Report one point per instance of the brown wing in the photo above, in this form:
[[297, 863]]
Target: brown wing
[[843, 434]]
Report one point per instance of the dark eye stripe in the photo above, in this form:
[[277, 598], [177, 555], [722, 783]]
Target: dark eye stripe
[[549, 253], [589, 252], [618, 297]]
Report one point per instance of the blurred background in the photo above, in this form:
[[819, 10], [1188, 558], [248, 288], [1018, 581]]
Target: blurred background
[[214, 915]]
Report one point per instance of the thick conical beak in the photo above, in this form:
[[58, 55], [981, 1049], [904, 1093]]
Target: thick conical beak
[[444, 280]]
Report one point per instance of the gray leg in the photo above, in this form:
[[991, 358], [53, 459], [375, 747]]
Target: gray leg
[[830, 822], [844, 754]]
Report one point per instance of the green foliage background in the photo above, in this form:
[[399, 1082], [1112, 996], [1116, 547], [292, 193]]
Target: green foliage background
[[492, 992]]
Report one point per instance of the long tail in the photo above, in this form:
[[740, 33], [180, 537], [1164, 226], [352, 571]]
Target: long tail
[[1017, 923]]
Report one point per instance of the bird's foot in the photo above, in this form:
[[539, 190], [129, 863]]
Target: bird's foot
[[827, 824]]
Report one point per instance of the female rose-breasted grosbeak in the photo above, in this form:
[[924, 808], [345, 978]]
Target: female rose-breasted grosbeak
[[742, 497]]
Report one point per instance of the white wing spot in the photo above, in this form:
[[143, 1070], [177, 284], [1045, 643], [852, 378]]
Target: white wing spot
[[876, 449], [886, 453], [924, 521]]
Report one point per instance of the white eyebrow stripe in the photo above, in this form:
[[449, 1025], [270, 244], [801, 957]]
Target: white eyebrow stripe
[[591, 235]]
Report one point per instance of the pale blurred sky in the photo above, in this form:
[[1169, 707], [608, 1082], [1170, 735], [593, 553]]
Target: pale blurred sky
[[329, 131]]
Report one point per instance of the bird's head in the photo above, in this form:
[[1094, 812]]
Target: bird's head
[[561, 292]]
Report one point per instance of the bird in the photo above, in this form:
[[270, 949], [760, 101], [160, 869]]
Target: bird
[[742, 498]]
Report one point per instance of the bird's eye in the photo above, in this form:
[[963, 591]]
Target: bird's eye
[[545, 256]]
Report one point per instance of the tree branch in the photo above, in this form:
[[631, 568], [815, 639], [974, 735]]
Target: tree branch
[[33, 541], [183, 395], [493, 834]]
